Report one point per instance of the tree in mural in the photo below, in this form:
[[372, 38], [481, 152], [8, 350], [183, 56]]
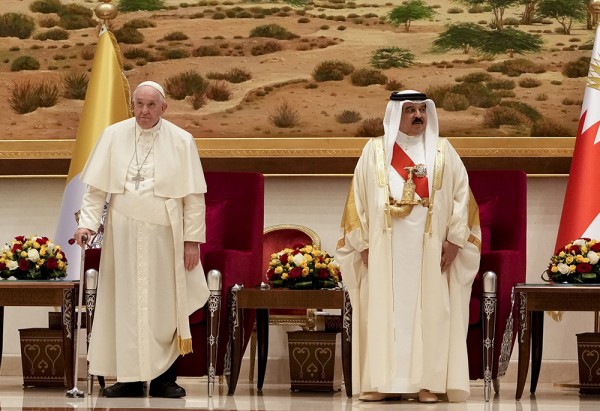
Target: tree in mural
[[135, 5], [565, 12], [464, 36], [529, 11], [498, 7], [410, 11]]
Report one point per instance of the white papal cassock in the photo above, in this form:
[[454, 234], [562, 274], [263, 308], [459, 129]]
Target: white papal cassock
[[144, 293], [410, 319]]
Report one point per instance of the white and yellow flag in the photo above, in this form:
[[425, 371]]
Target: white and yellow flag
[[106, 102]]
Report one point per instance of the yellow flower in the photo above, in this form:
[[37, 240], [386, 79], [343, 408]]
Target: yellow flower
[[308, 248], [554, 269], [274, 262], [36, 245], [572, 268], [284, 276], [59, 256], [41, 261], [579, 258], [61, 265], [9, 254], [23, 253], [561, 254], [308, 257], [304, 272], [569, 259], [43, 250], [278, 270], [57, 247]]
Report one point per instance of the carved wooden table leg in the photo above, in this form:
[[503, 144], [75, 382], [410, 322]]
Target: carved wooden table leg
[[347, 343], [262, 334], [236, 336], [524, 327], [68, 314], [537, 341]]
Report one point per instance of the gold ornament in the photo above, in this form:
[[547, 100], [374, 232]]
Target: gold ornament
[[106, 10]]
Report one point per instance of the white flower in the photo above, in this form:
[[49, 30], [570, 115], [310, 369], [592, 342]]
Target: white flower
[[298, 259], [5, 248], [563, 268], [580, 242], [12, 265], [33, 255], [50, 248], [12, 278], [593, 256]]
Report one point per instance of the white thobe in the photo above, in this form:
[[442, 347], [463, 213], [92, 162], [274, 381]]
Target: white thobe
[[438, 355]]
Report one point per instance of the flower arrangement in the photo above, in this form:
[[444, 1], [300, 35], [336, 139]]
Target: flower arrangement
[[577, 262], [32, 258], [303, 267]]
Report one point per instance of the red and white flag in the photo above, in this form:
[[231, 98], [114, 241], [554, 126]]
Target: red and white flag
[[106, 102], [581, 209]]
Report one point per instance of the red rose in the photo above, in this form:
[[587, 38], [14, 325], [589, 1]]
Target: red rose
[[17, 247], [595, 247], [296, 252], [270, 273], [296, 272], [71, 241], [44, 240], [20, 238], [52, 263], [574, 249], [283, 259], [323, 274], [23, 264], [584, 268], [2, 266]]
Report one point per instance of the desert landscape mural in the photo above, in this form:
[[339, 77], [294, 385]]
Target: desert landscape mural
[[235, 68]]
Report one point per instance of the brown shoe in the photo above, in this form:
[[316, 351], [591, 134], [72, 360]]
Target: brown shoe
[[427, 397], [377, 396]]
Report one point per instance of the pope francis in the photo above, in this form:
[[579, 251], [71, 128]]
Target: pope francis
[[409, 252], [150, 276]]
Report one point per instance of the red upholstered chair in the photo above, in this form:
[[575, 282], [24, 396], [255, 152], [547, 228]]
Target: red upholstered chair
[[502, 199], [275, 239], [234, 246]]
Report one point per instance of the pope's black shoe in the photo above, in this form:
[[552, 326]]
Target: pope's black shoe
[[125, 389], [166, 389]]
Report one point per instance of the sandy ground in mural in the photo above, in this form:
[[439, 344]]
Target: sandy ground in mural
[[284, 75]]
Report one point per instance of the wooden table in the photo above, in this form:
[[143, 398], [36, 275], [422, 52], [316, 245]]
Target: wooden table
[[263, 300], [45, 293], [532, 301]]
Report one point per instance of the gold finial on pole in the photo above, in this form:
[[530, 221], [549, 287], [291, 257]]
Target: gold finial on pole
[[106, 11]]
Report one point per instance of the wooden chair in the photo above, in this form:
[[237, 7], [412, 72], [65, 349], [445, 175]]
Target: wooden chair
[[275, 239]]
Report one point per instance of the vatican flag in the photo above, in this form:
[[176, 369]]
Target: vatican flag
[[106, 102]]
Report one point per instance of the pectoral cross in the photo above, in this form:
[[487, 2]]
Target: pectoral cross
[[137, 180]]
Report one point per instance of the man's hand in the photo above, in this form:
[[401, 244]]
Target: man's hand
[[364, 254], [80, 233], [191, 255], [449, 252]]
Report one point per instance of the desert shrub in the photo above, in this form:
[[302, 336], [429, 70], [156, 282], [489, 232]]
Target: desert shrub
[[511, 21], [477, 77], [455, 10], [235, 75], [545, 127], [516, 67], [500, 115], [324, 27], [59, 57], [567, 101], [370, 127], [394, 85], [477, 8], [541, 97], [477, 94], [48, 21], [303, 20], [218, 91], [500, 84], [27, 96], [16, 25], [388, 57], [53, 34], [88, 53], [135, 5], [175, 36], [75, 85], [348, 116], [45, 6], [438, 93], [219, 16], [273, 31], [185, 84], [129, 35], [265, 48], [505, 93], [75, 16], [284, 116], [332, 70], [174, 54], [139, 24], [25, 63], [204, 51], [136, 52], [529, 82], [366, 77], [556, 82], [455, 102], [523, 108], [577, 68], [341, 28]]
